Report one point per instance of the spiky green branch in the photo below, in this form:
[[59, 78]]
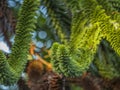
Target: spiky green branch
[[92, 23], [11, 68], [107, 60], [58, 17], [69, 64]]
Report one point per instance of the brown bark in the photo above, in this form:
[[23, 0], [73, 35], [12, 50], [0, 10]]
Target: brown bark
[[7, 22]]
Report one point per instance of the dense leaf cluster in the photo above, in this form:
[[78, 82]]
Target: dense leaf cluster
[[12, 67]]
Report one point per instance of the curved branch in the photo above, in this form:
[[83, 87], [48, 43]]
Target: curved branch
[[14, 66]]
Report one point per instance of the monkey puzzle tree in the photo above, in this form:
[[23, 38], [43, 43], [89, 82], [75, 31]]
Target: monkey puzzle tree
[[12, 67], [92, 21], [82, 25]]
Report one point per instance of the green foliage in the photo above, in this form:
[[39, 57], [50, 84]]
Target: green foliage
[[12, 67], [69, 64], [74, 5], [80, 24], [6, 77], [59, 18], [54, 60], [75, 87], [115, 4], [93, 21], [110, 72], [107, 61], [62, 59]]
